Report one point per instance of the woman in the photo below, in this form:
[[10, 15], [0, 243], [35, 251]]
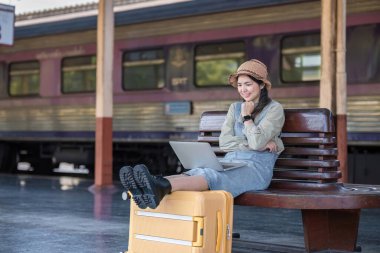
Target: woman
[[250, 134]]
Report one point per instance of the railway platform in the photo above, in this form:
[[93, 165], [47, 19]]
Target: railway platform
[[65, 214]]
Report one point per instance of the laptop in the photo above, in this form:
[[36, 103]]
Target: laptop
[[200, 155]]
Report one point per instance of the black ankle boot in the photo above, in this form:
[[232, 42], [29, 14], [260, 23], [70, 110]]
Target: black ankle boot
[[128, 182], [154, 188]]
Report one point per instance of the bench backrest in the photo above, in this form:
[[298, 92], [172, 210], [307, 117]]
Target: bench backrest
[[309, 160]]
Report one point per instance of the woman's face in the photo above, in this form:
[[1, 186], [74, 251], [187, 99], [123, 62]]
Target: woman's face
[[248, 89]]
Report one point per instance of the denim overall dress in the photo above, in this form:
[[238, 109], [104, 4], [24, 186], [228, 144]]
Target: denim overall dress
[[256, 175]]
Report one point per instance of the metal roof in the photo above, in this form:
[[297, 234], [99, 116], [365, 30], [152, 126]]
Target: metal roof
[[140, 15]]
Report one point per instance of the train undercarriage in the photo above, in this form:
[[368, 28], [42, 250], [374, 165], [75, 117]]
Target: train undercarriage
[[77, 158]]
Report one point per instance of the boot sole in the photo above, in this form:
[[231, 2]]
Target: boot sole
[[128, 182], [142, 178]]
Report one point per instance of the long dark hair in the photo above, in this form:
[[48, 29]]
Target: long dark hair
[[264, 99]]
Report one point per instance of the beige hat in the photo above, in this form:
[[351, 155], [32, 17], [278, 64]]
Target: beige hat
[[254, 68]]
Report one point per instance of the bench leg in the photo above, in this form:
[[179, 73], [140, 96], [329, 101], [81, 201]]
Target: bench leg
[[330, 229]]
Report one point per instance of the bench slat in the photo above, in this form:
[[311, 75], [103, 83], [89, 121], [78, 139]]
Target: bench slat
[[306, 185], [286, 140], [308, 140], [312, 196], [212, 121], [318, 120], [297, 174], [310, 151], [312, 120], [208, 139], [296, 162]]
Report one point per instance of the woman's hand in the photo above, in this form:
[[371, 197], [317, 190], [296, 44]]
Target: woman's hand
[[271, 146], [247, 108]]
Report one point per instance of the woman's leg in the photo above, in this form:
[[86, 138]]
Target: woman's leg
[[148, 191], [188, 183], [174, 176]]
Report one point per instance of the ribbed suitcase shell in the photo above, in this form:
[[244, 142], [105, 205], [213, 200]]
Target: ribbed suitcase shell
[[184, 222]]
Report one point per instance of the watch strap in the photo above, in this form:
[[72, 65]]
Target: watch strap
[[247, 117]]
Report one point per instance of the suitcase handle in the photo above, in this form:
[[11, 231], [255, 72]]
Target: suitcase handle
[[200, 226], [219, 232]]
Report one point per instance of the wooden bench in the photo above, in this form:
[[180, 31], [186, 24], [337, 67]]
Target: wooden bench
[[306, 178]]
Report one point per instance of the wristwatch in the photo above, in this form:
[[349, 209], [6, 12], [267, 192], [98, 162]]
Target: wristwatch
[[247, 117]]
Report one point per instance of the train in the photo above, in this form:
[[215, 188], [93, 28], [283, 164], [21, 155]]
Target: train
[[171, 63]]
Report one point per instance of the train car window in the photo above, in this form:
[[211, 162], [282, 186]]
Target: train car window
[[363, 54], [79, 74], [300, 58], [144, 70], [215, 62], [24, 78]]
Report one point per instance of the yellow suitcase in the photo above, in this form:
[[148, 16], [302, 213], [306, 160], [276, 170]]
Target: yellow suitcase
[[184, 222]]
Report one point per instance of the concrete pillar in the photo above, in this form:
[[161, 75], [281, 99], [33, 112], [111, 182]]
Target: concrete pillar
[[327, 83], [341, 88], [104, 94], [333, 90]]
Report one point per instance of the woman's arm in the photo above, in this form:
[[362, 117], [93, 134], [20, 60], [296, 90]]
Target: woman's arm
[[270, 146], [227, 139], [270, 126]]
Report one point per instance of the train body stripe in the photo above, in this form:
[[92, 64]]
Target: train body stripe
[[149, 135], [90, 135]]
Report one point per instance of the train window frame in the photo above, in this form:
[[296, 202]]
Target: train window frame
[[38, 71], [232, 69], [314, 49], [81, 68], [362, 57], [159, 84]]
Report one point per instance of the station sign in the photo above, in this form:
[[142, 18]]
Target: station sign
[[7, 24], [178, 108]]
